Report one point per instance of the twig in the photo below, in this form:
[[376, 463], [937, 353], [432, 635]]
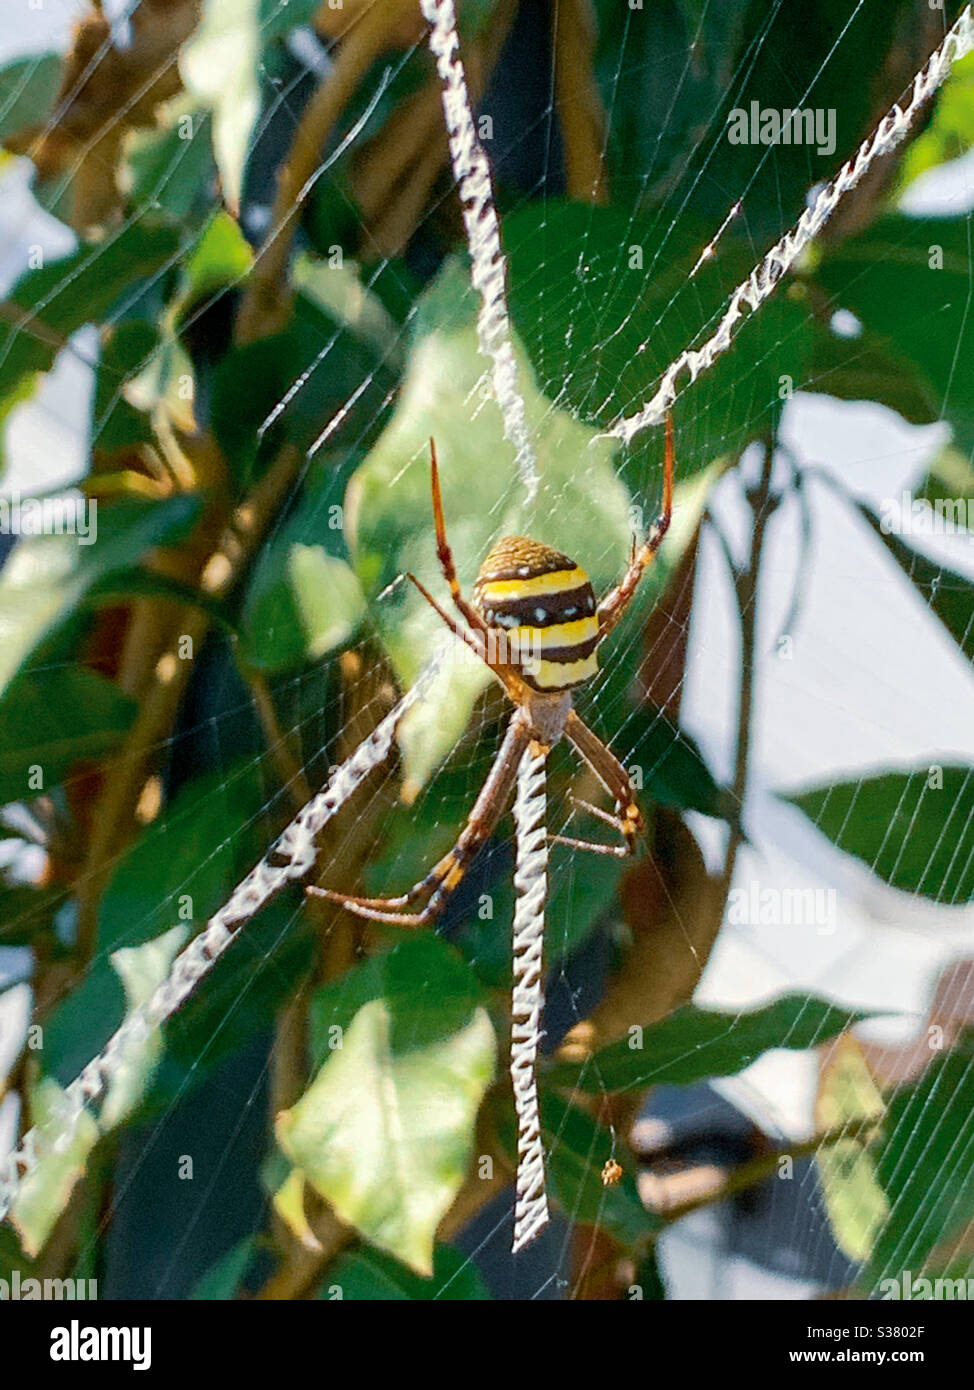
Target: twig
[[762, 503], [755, 1170], [580, 113], [282, 755], [266, 301]]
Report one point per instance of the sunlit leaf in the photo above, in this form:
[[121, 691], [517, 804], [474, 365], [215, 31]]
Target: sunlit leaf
[[847, 1097], [47, 305], [46, 577], [219, 66], [44, 1193], [385, 1131]]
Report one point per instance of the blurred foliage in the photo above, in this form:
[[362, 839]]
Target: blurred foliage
[[259, 492]]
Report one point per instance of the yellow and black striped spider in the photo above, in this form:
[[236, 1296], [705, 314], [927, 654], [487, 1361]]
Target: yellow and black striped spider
[[535, 623]]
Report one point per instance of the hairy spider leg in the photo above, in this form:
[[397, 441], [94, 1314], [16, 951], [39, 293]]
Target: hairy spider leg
[[618, 599], [628, 819], [445, 555], [441, 881], [618, 851]]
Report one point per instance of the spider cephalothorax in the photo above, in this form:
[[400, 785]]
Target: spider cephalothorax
[[545, 607], [535, 623]]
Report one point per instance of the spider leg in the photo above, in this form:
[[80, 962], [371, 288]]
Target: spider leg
[[613, 776], [618, 599], [444, 877], [472, 639], [445, 555], [616, 822]]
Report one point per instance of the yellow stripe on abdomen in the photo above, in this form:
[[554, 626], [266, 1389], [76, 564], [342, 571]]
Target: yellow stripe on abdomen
[[559, 675], [531, 586], [571, 634]]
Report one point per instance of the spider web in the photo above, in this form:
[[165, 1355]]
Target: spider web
[[868, 665]]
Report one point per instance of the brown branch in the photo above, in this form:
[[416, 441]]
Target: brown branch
[[286, 761], [728, 1182], [115, 815], [580, 112], [266, 301]]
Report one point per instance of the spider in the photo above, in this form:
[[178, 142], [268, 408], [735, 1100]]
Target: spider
[[535, 623]]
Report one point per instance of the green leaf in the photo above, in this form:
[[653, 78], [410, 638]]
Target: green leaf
[[696, 1044], [172, 167], [27, 91], [220, 1282], [915, 829], [856, 1203], [672, 770], [385, 1131], [221, 257], [219, 66], [53, 717], [950, 131], [44, 1193], [276, 20], [304, 603], [600, 330], [869, 368], [295, 384], [141, 969], [582, 506], [946, 592], [117, 422], [370, 1276], [923, 1165], [907, 279], [46, 577], [181, 869], [47, 305]]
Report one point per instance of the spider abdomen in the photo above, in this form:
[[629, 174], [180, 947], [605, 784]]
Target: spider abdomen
[[542, 605]]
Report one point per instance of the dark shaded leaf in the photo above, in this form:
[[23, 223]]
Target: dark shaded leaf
[[371, 1276], [923, 1164], [915, 830], [947, 593], [601, 330], [891, 278], [696, 1044], [50, 718], [27, 91]]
